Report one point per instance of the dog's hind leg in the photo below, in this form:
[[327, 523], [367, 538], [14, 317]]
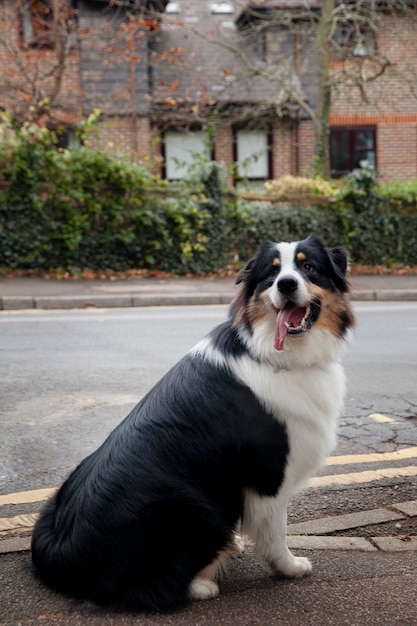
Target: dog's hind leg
[[203, 586], [265, 521]]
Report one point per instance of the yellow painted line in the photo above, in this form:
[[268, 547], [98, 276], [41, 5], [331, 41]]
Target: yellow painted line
[[376, 457], [363, 477], [27, 521], [26, 497], [378, 417], [38, 495], [19, 521]]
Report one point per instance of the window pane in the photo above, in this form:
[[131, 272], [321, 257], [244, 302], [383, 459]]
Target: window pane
[[180, 151], [364, 156], [339, 151], [364, 139], [252, 153]]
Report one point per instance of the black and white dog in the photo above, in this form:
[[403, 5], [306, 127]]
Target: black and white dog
[[228, 435]]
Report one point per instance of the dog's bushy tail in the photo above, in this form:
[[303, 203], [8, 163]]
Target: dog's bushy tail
[[152, 578]]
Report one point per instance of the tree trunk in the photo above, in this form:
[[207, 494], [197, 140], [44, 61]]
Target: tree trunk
[[322, 114]]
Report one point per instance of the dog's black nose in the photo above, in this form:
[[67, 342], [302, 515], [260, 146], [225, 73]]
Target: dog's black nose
[[287, 285]]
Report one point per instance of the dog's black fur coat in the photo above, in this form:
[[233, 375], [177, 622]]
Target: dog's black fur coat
[[160, 498]]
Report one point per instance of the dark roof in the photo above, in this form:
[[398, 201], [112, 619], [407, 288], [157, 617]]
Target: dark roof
[[189, 70]]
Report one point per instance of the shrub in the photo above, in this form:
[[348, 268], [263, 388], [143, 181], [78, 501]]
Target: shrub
[[373, 226], [287, 187], [80, 208]]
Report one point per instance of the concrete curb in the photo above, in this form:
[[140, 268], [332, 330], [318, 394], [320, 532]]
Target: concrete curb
[[384, 295], [14, 303]]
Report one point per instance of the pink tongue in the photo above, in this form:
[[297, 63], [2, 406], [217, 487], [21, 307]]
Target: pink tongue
[[289, 314]]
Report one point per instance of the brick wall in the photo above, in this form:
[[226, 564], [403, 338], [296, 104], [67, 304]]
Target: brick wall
[[306, 134], [133, 138], [283, 146], [397, 150], [391, 105]]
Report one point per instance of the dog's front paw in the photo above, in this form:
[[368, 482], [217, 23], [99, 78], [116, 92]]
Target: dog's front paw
[[294, 566], [203, 589]]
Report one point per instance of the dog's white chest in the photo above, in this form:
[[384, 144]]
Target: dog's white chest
[[308, 401]]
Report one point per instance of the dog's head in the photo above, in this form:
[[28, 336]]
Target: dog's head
[[300, 286]]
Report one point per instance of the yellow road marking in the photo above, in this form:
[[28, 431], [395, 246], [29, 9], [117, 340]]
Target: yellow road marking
[[26, 497], [363, 477], [378, 417], [19, 521], [27, 521], [376, 457], [38, 495]]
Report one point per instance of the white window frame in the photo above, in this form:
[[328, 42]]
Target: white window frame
[[181, 148], [252, 154]]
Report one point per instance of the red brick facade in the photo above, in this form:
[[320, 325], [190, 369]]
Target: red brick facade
[[391, 109]]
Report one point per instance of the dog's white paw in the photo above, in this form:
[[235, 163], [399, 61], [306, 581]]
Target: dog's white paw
[[238, 546], [295, 567], [203, 589]]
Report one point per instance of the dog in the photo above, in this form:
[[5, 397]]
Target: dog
[[224, 438]]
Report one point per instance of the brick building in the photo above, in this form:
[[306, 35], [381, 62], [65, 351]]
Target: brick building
[[150, 68]]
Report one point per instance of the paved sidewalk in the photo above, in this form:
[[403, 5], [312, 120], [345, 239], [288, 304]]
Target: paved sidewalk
[[354, 581], [40, 293]]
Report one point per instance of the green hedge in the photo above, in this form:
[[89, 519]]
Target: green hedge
[[75, 209], [378, 225], [80, 208]]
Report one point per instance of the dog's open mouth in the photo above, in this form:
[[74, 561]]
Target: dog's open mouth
[[295, 321]]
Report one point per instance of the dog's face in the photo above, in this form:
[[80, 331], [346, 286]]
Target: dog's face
[[300, 285]]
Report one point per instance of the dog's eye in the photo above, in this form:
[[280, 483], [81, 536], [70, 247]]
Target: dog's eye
[[307, 267]]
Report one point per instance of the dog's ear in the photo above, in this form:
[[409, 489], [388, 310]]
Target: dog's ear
[[339, 262], [245, 271]]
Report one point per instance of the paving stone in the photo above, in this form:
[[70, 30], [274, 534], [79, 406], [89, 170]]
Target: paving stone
[[409, 508], [14, 545], [395, 544], [344, 522], [303, 542]]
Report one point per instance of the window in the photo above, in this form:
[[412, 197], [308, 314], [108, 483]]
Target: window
[[353, 39], [173, 7], [252, 154], [222, 8], [37, 24], [351, 145], [67, 138], [180, 149]]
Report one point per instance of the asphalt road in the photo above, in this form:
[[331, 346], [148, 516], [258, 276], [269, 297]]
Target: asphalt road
[[69, 377]]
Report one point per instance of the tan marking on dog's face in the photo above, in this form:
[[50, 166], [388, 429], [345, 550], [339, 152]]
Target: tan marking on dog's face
[[239, 309], [257, 308], [336, 310], [301, 257], [276, 262]]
